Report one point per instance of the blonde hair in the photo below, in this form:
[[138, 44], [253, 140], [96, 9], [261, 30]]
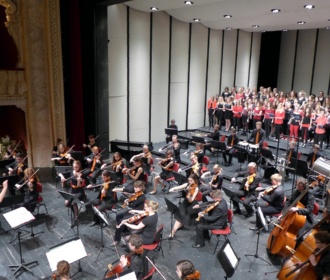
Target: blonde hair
[[152, 204]]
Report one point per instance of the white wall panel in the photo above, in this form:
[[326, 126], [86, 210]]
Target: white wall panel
[[322, 62], [160, 54], [197, 76], [214, 63], [117, 53], [243, 58], [229, 53], [179, 72], [304, 60], [254, 68], [139, 75], [287, 52]]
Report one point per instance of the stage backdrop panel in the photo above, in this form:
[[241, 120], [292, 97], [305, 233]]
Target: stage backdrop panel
[[243, 59], [255, 54], [229, 54]]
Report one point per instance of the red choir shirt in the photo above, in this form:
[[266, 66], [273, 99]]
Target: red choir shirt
[[279, 115], [267, 112], [237, 110], [320, 123], [257, 111]]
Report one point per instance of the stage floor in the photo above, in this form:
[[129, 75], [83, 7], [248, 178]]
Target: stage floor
[[58, 221]]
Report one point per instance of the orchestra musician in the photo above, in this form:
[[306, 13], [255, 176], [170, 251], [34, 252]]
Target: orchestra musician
[[187, 212], [215, 182], [31, 194], [77, 184], [59, 141], [193, 168], [313, 156], [146, 155], [173, 126], [105, 199], [89, 147], [135, 202], [135, 174], [10, 153], [147, 227], [321, 263], [16, 168], [167, 167], [63, 271], [117, 166], [94, 161], [62, 157], [136, 259], [199, 152], [176, 148], [291, 156], [258, 135], [247, 189], [185, 270], [216, 218], [271, 200], [231, 142], [325, 214], [215, 136]]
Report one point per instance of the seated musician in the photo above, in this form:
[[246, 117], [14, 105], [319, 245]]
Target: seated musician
[[77, 184], [10, 153], [313, 156], [325, 215], [176, 149], [94, 161], [135, 174], [16, 168], [138, 263], [307, 201], [193, 168], [89, 147], [185, 270], [187, 212], [215, 136], [63, 271], [4, 190], [147, 227], [167, 167], [231, 142], [215, 182], [146, 158], [59, 141], [271, 200], [62, 157], [117, 166], [216, 219], [173, 126], [321, 263], [199, 153], [135, 202], [31, 194], [258, 135], [247, 189], [105, 199]]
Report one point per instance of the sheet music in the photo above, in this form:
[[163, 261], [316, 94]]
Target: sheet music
[[19, 216], [231, 256], [70, 252]]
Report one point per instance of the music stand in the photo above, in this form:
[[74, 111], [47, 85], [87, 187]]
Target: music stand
[[72, 250], [267, 154], [175, 212], [107, 222], [219, 147], [171, 131], [16, 219], [125, 275], [62, 170], [228, 259], [198, 139], [179, 178], [77, 155], [72, 199]]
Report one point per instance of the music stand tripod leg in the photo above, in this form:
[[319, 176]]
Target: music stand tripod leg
[[102, 246]]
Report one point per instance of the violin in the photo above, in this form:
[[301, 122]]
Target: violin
[[104, 190], [269, 190], [191, 192], [249, 181], [194, 276], [320, 180], [208, 209], [132, 198]]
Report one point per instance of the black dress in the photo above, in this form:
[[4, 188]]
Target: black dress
[[149, 231], [188, 214]]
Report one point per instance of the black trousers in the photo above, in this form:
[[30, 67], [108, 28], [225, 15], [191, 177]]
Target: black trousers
[[266, 210], [247, 203], [230, 154]]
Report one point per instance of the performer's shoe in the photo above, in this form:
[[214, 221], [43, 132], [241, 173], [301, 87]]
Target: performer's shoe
[[248, 215], [152, 193], [254, 228], [237, 211], [198, 245], [94, 223]]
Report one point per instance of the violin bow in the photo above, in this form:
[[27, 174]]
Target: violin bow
[[34, 173], [15, 148], [20, 163], [155, 268], [75, 175]]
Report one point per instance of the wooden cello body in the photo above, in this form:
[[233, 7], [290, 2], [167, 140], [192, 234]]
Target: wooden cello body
[[285, 234]]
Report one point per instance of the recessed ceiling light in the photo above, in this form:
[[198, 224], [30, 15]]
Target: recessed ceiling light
[[328, 27], [284, 30], [275, 11], [255, 26], [301, 22], [263, 31], [309, 6], [197, 19], [227, 16], [188, 2], [153, 8], [229, 28]]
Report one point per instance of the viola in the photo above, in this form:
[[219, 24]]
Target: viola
[[208, 209], [191, 192], [249, 181], [132, 198], [104, 190], [194, 276]]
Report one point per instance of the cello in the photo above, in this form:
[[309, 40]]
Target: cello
[[285, 233]]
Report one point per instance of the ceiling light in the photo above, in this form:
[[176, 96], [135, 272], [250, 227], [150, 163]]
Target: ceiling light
[[275, 11], [188, 2], [263, 31], [255, 26], [229, 28], [227, 16], [153, 8], [197, 19], [301, 22], [328, 27], [309, 6], [284, 30]]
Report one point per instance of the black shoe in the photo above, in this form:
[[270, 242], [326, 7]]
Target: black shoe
[[226, 164], [198, 245], [93, 224], [254, 228], [237, 211], [248, 215]]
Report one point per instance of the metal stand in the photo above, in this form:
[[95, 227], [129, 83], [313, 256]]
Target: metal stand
[[74, 223], [80, 270], [22, 266], [255, 256], [102, 246]]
